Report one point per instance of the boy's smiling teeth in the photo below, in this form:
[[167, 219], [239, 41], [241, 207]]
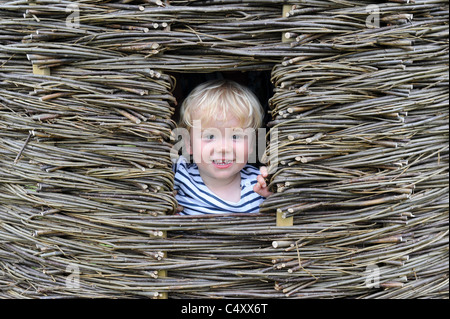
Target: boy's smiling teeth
[[222, 162]]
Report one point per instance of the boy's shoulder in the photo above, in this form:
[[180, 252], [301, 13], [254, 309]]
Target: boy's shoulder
[[181, 162], [180, 159]]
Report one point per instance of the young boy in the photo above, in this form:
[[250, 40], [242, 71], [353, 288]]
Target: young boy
[[221, 117]]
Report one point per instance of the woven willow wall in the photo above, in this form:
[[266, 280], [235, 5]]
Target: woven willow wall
[[360, 106]]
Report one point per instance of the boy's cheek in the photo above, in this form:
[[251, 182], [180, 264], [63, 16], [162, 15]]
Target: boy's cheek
[[241, 153], [249, 143], [202, 152]]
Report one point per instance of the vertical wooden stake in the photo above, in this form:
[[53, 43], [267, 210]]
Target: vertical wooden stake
[[163, 273], [36, 69], [286, 9]]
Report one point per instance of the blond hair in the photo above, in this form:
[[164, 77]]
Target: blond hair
[[220, 100]]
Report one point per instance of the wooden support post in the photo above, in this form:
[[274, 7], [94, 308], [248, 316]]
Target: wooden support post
[[281, 221], [41, 71], [284, 222]]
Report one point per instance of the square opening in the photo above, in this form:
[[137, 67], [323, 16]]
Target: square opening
[[257, 81]]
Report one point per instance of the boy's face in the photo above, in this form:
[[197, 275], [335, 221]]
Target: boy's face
[[221, 148]]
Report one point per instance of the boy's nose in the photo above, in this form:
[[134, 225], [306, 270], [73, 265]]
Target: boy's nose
[[223, 146]]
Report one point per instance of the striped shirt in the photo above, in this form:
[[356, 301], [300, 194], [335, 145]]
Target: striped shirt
[[196, 198]]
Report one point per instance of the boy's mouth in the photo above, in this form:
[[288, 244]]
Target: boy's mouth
[[222, 163]]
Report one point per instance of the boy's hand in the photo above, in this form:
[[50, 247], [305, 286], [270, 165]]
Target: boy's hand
[[261, 185]]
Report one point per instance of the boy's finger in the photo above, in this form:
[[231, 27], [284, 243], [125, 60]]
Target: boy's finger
[[261, 181], [263, 171]]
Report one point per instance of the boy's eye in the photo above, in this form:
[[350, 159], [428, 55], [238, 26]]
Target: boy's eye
[[208, 136], [237, 136]]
